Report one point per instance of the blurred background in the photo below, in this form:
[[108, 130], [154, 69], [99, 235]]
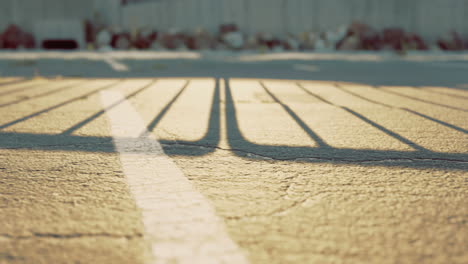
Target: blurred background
[[260, 25]]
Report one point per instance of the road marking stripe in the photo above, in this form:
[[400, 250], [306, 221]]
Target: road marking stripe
[[179, 222], [305, 67], [115, 65]]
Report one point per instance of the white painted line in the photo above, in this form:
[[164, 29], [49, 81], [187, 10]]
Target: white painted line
[[115, 65], [179, 222], [305, 67]]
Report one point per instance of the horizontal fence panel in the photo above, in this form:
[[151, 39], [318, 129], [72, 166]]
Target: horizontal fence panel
[[430, 18]]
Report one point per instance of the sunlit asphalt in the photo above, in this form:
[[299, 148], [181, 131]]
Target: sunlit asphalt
[[326, 160]]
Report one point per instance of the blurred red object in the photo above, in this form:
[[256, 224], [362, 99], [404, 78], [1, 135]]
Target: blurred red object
[[359, 36], [13, 38], [200, 40], [451, 41], [145, 39], [227, 28], [415, 42], [174, 39], [372, 40], [394, 38], [121, 41], [358, 28]]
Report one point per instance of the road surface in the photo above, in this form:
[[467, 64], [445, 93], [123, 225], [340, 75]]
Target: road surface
[[196, 160]]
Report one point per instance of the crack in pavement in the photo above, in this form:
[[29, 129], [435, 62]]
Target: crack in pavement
[[284, 210], [298, 158], [252, 154], [277, 212]]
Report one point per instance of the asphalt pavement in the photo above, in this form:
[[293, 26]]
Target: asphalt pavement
[[253, 159]]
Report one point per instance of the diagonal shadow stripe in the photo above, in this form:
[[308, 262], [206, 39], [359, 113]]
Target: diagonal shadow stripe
[[362, 97], [428, 90], [367, 120], [5, 84], [166, 108], [419, 99], [101, 112], [436, 120], [241, 147], [385, 130], [68, 142], [48, 109], [298, 120], [246, 149], [43, 94], [404, 109], [22, 88]]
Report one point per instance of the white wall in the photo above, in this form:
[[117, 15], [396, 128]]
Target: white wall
[[430, 18], [56, 18], [27, 12]]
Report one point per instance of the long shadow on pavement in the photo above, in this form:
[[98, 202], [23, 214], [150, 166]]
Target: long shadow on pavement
[[239, 145], [207, 143], [366, 120], [56, 106], [99, 113], [420, 100], [404, 109], [7, 83], [54, 91], [24, 86], [242, 147], [458, 96]]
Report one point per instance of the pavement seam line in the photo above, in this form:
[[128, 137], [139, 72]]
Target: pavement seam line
[[180, 224]]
